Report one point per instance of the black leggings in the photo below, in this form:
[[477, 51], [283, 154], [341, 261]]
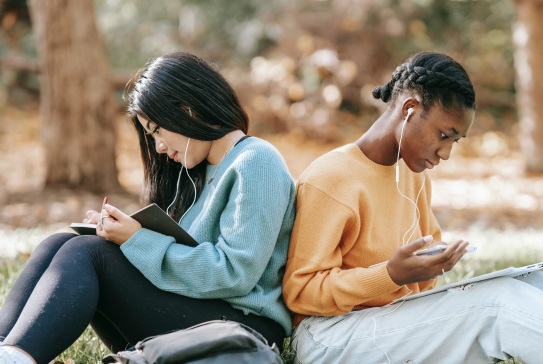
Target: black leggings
[[71, 281]]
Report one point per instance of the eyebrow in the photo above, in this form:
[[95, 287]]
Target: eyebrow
[[455, 132], [147, 126]]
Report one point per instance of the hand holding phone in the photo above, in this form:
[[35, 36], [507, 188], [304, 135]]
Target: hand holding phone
[[432, 250], [440, 248]]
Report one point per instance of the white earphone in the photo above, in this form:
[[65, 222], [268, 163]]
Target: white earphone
[[191, 180], [411, 229], [410, 112], [179, 178]]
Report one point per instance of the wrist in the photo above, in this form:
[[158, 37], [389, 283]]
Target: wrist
[[393, 274]]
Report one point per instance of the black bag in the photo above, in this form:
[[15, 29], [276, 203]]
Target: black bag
[[211, 342]]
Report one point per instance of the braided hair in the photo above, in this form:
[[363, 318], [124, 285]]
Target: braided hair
[[435, 77]]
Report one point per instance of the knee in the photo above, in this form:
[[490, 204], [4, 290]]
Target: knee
[[514, 294], [509, 288], [91, 246], [53, 243], [84, 242]]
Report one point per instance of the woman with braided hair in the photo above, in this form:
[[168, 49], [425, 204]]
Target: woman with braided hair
[[362, 217]]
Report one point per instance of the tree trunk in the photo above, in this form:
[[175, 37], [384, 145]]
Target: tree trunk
[[528, 39], [77, 103]]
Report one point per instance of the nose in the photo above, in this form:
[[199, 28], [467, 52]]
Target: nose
[[160, 147], [444, 152]]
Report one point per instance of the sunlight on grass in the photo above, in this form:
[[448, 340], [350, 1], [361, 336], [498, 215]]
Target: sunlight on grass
[[21, 242], [9, 271], [496, 249]]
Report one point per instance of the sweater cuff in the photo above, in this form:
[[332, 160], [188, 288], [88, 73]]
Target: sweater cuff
[[376, 281], [145, 241], [140, 239]]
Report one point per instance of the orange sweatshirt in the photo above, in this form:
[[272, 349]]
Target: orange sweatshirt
[[350, 216]]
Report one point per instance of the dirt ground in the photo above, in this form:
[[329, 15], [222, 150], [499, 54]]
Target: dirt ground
[[472, 194]]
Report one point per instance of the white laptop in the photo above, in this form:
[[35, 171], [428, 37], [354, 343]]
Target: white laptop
[[510, 272]]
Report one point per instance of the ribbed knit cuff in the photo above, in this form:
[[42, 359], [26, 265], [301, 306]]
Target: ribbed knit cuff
[[376, 281]]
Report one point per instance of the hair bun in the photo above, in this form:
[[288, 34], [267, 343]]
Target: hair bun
[[376, 92], [383, 92]]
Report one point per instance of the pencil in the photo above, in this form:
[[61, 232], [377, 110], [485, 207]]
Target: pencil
[[104, 203], [102, 216]]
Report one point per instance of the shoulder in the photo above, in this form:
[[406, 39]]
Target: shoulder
[[257, 153], [330, 168], [343, 175], [257, 159], [254, 148]]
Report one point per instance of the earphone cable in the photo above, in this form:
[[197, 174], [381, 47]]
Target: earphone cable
[[191, 180], [176, 191], [412, 228]]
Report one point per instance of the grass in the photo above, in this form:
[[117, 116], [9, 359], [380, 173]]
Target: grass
[[89, 349]]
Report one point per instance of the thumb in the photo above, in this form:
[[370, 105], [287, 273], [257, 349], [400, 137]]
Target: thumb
[[418, 244], [114, 212]]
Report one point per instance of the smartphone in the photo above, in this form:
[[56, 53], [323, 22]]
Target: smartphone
[[431, 251]]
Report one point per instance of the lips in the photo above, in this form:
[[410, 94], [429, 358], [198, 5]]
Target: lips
[[173, 156], [430, 164]]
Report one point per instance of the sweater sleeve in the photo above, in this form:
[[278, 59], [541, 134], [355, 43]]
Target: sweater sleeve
[[314, 283], [260, 196]]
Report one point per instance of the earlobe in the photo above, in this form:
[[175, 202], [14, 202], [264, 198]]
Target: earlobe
[[410, 112], [409, 107]]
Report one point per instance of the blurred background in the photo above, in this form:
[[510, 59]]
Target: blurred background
[[303, 69]]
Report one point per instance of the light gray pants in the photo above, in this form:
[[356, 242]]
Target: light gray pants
[[490, 321]]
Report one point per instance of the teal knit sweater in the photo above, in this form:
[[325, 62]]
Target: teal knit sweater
[[242, 222]]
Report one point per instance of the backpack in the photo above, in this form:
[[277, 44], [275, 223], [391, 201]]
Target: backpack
[[211, 342]]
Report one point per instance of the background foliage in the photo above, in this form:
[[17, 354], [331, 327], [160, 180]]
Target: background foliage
[[304, 70], [309, 65]]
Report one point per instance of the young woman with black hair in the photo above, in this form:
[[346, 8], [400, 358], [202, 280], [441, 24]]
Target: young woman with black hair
[[232, 193], [362, 212]]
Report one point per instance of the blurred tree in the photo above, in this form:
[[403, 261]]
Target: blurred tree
[[13, 12], [17, 70], [316, 79], [312, 63], [528, 35], [77, 101]]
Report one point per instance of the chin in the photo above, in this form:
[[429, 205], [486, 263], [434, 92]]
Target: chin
[[418, 168], [190, 164]]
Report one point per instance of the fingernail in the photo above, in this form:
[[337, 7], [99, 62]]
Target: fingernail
[[428, 238]]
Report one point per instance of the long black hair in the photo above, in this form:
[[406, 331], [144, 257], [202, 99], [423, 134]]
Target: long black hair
[[436, 77], [183, 94]]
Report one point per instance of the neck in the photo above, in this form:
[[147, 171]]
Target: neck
[[380, 143], [220, 147]]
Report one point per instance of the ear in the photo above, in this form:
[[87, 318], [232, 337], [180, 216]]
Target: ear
[[410, 107]]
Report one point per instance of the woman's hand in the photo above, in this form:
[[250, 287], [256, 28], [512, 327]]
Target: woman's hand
[[91, 217], [405, 267], [116, 226]]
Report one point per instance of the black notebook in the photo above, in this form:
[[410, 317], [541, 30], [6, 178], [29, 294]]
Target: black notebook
[[150, 217]]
